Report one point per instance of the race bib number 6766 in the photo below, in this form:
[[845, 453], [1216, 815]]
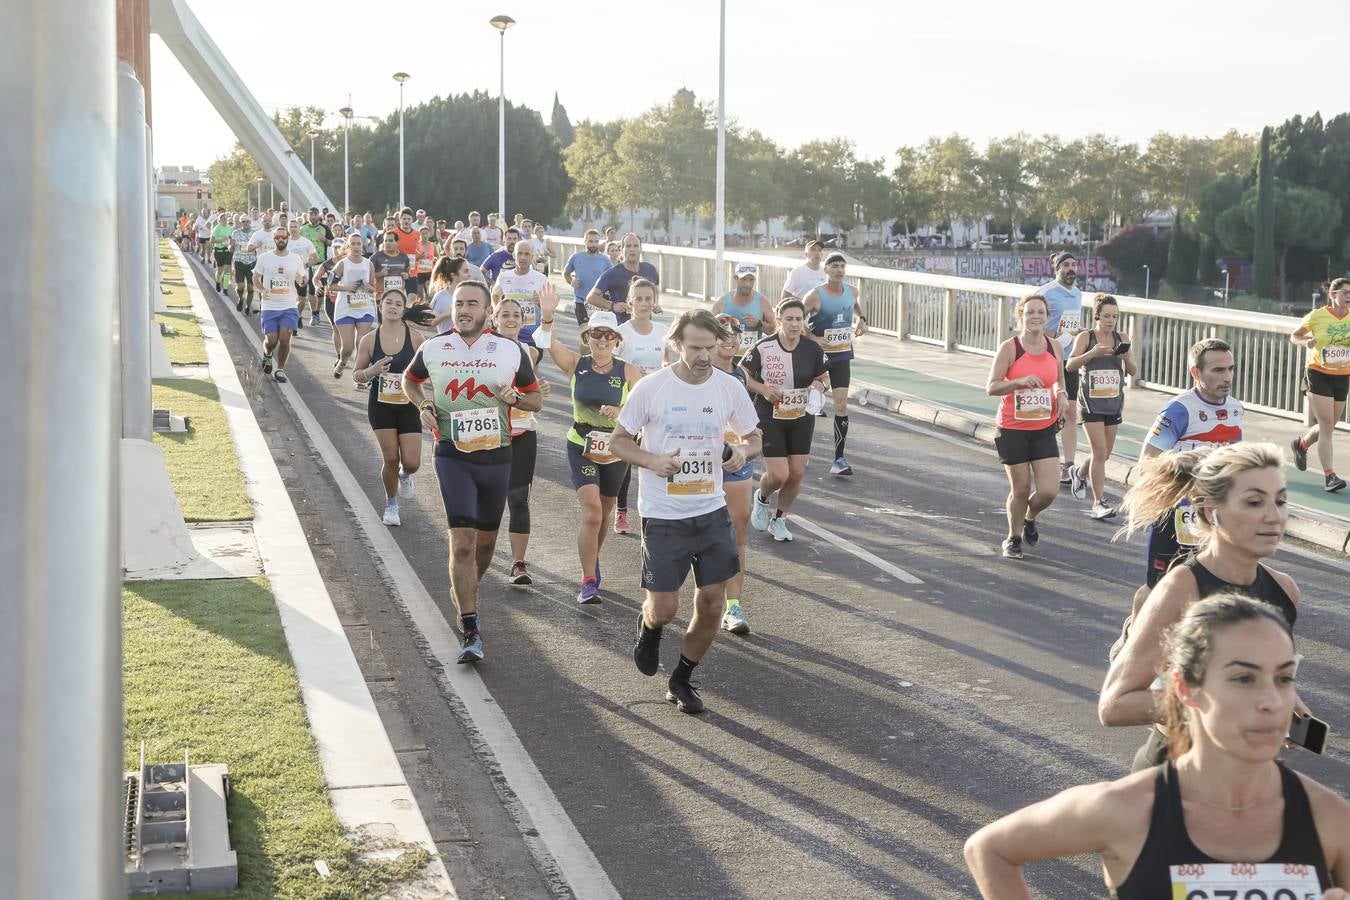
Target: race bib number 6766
[[1245, 881]]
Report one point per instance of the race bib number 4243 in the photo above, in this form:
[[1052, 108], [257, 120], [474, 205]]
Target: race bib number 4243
[[1245, 881]]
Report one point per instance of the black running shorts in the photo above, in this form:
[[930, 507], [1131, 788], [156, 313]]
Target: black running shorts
[[787, 437], [474, 493], [670, 547], [1017, 445], [1337, 387]]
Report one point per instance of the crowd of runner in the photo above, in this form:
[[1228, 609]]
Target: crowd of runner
[[446, 325]]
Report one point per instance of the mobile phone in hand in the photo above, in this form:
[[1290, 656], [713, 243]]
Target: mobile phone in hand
[[1123, 349], [1310, 733]]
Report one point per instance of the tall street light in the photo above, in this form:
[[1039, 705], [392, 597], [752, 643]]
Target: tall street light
[[312, 134], [400, 77], [290, 207], [501, 23], [258, 180], [720, 216], [346, 113], [1225, 286], [1146, 282]]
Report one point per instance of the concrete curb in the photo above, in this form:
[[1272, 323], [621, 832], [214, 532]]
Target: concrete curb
[[365, 781], [1304, 524]]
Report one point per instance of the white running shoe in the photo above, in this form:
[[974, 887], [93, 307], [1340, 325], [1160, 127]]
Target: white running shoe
[[405, 486], [1078, 482], [760, 514], [1102, 510], [778, 528], [391, 514]]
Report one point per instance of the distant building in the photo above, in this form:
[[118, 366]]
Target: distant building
[[180, 189]]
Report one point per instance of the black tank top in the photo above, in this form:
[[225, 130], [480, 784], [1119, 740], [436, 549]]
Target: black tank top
[[1265, 588], [1168, 844], [400, 361]]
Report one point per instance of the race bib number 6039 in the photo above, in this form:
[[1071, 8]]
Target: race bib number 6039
[[1245, 881]]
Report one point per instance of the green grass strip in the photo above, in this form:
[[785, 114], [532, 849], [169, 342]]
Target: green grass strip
[[207, 669], [186, 347], [203, 466]]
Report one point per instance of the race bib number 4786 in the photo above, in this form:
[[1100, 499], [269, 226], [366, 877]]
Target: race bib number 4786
[[1245, 881]]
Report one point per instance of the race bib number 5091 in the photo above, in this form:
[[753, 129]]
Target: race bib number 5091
[[1245, 881]]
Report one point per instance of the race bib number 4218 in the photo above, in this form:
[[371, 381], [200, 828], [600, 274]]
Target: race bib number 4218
[[1245, 881]]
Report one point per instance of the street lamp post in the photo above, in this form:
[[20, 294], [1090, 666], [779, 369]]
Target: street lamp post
[[501, 23], [1225, 287], [258, 180], [290, 155], [400, 77], [346, 113], [720, 215], [312, 134], [1145, 282]]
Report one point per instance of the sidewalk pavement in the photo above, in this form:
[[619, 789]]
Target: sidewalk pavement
[[946, 390]]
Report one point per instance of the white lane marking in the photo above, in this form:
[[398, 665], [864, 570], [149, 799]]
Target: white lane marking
[[559, 847], [849, 547], [905, 513]]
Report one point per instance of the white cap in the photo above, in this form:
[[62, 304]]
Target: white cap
[[744, 269], [603, 319]]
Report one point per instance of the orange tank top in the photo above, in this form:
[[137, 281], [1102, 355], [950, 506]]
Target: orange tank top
[[1030, 409]]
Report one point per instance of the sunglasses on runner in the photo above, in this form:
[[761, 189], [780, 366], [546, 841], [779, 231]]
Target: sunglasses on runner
[[731, 323], [603, 334]]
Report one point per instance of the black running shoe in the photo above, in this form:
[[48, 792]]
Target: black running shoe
[[647, 649], [1012, 548], [1334, 483], [1300, 454], [684, 694], [239, 306], [1029, 533]]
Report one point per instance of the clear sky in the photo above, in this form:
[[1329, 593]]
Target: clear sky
[[883, 73]]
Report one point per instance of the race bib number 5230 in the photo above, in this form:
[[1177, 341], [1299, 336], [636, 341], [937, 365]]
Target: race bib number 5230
[[1245, 881]]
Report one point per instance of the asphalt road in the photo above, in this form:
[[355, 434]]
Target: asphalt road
[[852, 741]]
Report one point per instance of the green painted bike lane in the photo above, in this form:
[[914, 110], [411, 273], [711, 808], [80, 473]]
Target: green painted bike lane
[[1304, 489]]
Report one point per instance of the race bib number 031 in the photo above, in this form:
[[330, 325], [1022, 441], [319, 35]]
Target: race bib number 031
[[472, 430], [696, 474], [1245, 881]]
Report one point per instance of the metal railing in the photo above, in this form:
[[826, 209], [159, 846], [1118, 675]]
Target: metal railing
[[975, 316]]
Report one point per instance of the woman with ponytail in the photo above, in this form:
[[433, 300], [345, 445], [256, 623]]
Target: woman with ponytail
[[1221, 817], [1237, 498]]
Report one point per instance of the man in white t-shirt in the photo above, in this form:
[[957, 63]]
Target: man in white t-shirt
[[808, 276], [522, 284], [275, 276], [492, 233], [684, 412], [304, 249], [467, 231], [202, 226]]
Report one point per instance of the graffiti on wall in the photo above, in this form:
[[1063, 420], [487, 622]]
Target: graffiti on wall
[[1019, 269]]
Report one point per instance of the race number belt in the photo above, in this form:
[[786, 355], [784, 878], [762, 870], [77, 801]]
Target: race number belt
[[1032, 404], [696, 474], [472, 430], [792, 405], [598, 448], [391, 389], [1103, 383]]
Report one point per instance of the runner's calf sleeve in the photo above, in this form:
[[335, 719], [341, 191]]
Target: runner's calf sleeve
[[840, 435]]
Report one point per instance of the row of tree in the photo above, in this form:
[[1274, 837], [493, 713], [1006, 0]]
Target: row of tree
[[1020, 185], [450, 160]]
